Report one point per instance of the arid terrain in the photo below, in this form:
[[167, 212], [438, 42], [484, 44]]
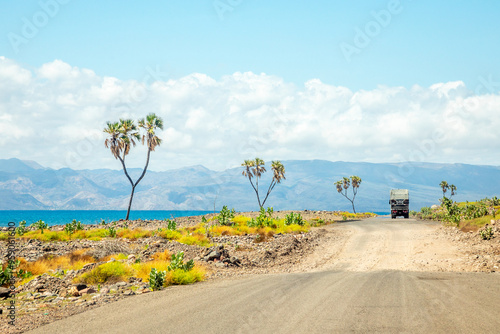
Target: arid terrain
[[375, 245]]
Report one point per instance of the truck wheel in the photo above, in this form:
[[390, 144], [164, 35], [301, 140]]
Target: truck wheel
[[393, 216], [407, 215]]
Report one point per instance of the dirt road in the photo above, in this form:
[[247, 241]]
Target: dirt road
[[386, 276], [385, 244]]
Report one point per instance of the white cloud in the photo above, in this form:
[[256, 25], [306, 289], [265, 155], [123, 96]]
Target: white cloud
[[55, 115]]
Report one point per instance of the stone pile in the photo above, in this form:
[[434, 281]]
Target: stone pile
[[46, 284], [220, 256]]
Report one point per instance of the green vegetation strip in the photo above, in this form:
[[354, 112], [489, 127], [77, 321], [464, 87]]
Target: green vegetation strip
[[224, 224]]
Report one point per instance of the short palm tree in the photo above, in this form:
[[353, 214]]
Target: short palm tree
[[444, 185], [256, 168], [453, 190], [278, 175], [344, 184]]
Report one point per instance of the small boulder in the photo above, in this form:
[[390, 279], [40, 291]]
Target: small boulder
[[4, 292], [87, 291], [235, 261], [213, 255], [73, 291]]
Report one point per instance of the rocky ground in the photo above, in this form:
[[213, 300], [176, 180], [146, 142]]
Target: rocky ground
[[51, 297], [478, 255]]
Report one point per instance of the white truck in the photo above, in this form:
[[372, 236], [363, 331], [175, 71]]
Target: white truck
[[400, 203]]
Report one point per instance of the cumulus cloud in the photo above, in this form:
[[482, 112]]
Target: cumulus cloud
[[55, 116]]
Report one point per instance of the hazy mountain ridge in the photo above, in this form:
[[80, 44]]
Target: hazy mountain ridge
[[308, 185]]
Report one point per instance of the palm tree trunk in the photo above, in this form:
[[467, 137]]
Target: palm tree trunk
[[136, 183], [122, 160], [271, 187], [353, 209], [255, 189], [130, 202], [258, 198], [145, 168]]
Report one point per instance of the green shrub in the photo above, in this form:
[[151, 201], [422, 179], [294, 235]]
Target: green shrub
[[9, 271], [23, 274], [486, 234], [40, 225], [177, 262], [111, 231], [171, 225], [296, 219], [77, 225], [225, 216], [69, 228], [156, 279], [206, 226], [22, 228], [264, 219], [426, 212]]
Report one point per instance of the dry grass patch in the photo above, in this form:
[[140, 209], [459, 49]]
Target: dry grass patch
[[134, 234], [174, 277], [162, 256], [74, 260], [196, 239], [142, 270], [181, 277], [170, 235], [110, 272], [119, 256]]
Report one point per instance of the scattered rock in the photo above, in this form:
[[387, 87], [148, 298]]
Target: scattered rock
[[73, 291], [4, 292], [86, 291], [46, 283]]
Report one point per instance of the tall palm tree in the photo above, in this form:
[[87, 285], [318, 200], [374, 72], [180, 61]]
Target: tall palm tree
[[444, 185], [123, 135], [344, 184]]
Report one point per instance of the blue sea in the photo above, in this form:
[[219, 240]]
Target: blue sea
[[61, 217]]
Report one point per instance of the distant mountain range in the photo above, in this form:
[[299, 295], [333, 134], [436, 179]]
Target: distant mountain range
[[26, 185]]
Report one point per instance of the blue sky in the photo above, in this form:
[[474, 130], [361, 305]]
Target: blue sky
[[377, 81], [424, 43]]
